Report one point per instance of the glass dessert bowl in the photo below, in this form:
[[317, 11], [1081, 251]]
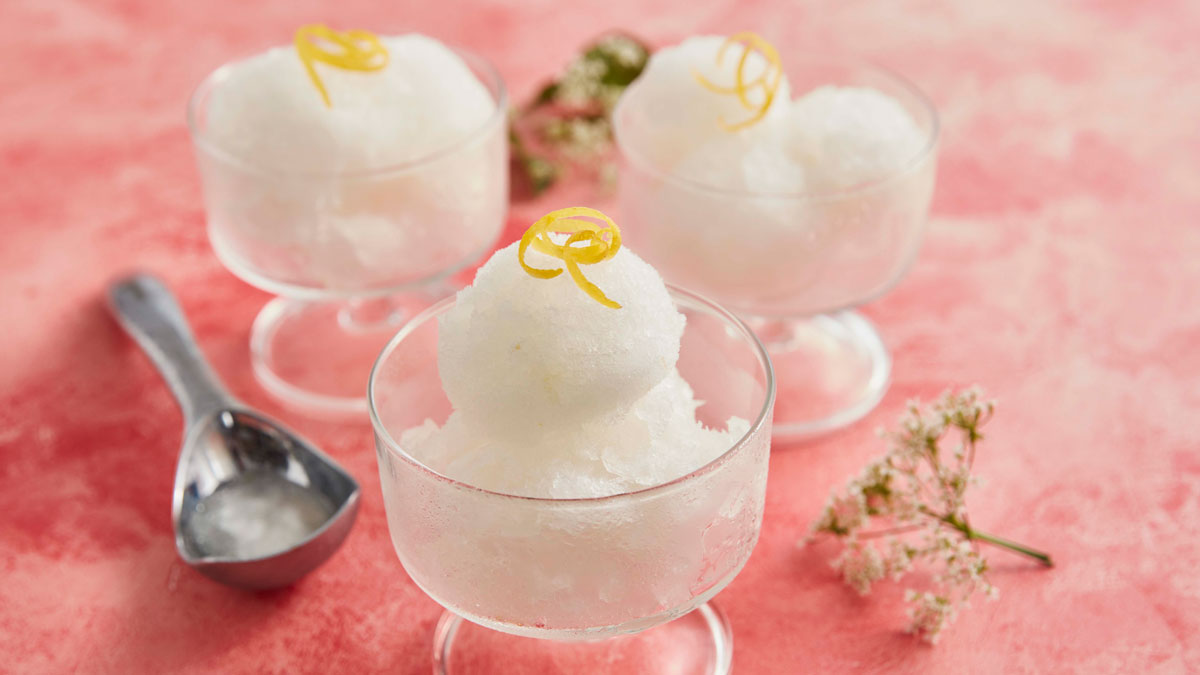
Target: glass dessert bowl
[[351, 195], [604, 543], [790, 213]]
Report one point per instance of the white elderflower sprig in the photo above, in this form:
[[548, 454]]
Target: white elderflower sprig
[[909, 506], [565, 130]]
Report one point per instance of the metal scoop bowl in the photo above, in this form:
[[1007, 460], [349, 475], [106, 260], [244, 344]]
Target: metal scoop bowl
[[255, 505]]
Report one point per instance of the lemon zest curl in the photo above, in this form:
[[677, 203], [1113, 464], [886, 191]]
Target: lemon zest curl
[[357, 50], [579, 223], [768, 80]]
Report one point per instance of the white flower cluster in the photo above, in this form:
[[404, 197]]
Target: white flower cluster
[[582, 82], [587, 78], [580, 137], [566, 130], [914, 497]]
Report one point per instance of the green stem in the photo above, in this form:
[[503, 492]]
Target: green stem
[[976, 535], [1043, 558]]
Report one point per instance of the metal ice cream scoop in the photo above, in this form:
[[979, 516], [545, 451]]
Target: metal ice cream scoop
[[255, 505]]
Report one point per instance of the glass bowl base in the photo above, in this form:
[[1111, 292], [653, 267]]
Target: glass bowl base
[[831, 370], [317, 356], [698, 642]]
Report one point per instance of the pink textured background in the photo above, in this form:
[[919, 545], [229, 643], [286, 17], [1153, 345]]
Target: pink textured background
[[1061, 272]]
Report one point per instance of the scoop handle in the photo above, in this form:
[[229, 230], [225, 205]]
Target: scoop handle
[[147, 310]]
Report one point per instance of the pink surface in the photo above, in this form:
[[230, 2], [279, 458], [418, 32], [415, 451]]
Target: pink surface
[[1060, 272]]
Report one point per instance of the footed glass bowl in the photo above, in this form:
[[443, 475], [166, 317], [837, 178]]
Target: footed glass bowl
[[351, 253], [795, 265], [586, 571]]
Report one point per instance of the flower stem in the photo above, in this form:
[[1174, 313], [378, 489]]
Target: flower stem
[[975, 535], [1043, 558]]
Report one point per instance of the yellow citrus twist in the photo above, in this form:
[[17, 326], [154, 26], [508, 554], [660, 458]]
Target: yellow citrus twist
[[768, 80], [350, 50], [583, 226]]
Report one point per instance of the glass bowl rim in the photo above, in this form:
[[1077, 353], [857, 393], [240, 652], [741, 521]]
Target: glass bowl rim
[[911, 165], [393, 447], [481, 65]]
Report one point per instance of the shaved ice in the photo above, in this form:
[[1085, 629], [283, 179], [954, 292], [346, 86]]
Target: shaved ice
[[267, 110], [402, 177], [556, 395], [851, 135], [832, 137], [744, 163], [519, 352], [814, 207], [679, 113]]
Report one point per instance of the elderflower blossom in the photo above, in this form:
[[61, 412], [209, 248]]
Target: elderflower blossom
[[861, 565], [916, 490], [929, 614], [565, 131]]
